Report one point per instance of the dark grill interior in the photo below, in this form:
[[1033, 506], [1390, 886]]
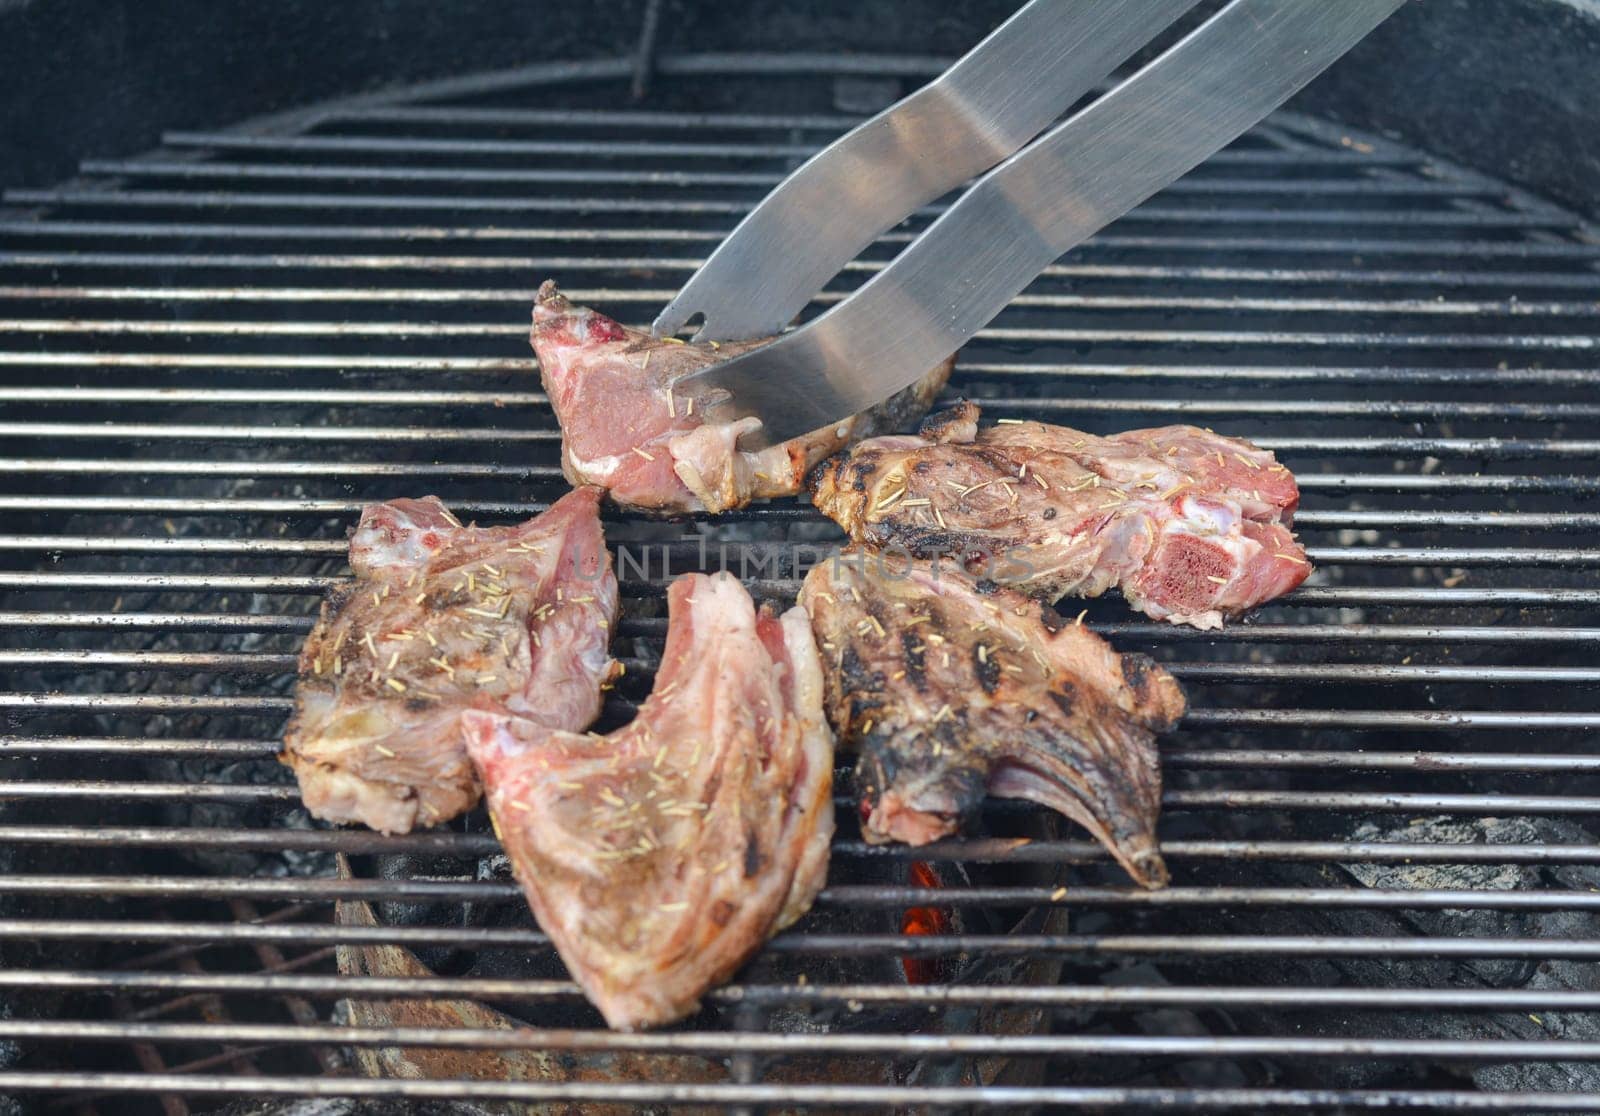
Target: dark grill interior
[[1385, 884]]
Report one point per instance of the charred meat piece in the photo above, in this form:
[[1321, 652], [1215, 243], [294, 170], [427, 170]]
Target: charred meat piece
[[951, 691], [1191, 526], [628, 427], [660, 857], [440, 617]]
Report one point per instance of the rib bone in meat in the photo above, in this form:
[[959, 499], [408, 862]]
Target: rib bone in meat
[[660, 857], [1191, 526], [951, 691], [440, 617]]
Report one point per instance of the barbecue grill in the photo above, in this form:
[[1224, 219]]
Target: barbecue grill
[[1386, 887]]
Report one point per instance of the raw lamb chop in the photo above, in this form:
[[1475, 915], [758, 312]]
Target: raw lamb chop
[[441, 616], [951, 691], [1191, 526], [627, 427], [660, 857]]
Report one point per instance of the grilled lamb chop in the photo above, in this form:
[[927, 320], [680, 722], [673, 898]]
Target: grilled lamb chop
[[660, 857], [441, 616], [627, 427], [1191, 526], [951, 690]]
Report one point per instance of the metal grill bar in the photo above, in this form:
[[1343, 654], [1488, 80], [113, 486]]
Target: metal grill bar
[[1236, 799], [1422, 596], [986, 850], [1447, 483], [1399, 409], [1398, 520], [642, 149], [285, 362], [1145, 214], [315, 889], [910, 1045], [584, 118], [1200, 183], [234, 200], [1517, 763], [1341, 247], [1288, 999], [1164, 273], [852, 1096], [1257, 633], [1511, 448], [254, 361], [910, 945], [255, 662]]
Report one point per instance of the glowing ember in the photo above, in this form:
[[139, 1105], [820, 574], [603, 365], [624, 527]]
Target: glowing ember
[[923, 920]]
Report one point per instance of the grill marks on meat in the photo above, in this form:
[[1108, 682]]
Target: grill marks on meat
[[440, 617], [950, 692], [660, 857], [1191, 526], [629, 427]]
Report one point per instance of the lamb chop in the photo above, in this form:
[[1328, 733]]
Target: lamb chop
[[628, 427], [441, 616], [1191, 526], [951, 689], [660, 857]]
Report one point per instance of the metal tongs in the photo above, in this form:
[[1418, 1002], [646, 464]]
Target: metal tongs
[[1039, 201]]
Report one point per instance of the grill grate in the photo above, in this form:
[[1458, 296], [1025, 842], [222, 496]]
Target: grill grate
[[1385, 889]]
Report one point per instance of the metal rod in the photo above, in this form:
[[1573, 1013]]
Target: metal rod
[[143, 703], [169, 582], [316, 397], [255, 662], [1576, 377], [1401, 221], [1246, 799], [308, 506], [1380, 673], [1457, 278], [851, 1096], [1344, 596], [1113, 997], [234, 748], [395, 261], [193, 432], [592, 117], [1483, 447], [419, 145], [270, 362], [985, 850], [1154, 210], [1319, 374], [587, 118], [708, 1042], [1186, 757], [1446, 483], [1158, 633], [1415, 720], [1196, 183], [449, 470], [327, 889], [647, 148], [916, 945], [241, 662], [1397, 410]]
